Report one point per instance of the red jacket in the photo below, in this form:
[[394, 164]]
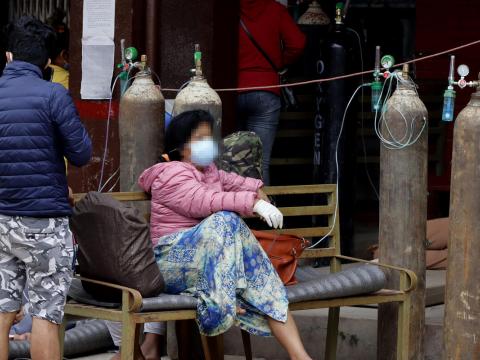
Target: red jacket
[[271, 25]]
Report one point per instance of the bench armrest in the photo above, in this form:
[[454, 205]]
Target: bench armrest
[[412, 277], [134, 298]]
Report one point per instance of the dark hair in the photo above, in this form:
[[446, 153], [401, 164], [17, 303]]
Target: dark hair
[[56, 19], [180, 131], [61, 43], [30, 40]]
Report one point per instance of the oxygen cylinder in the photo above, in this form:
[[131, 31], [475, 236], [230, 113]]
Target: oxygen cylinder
[[141, 128], [314, 23], [403, 211], [339, 60], [198, 95], [338, 52], [462, 306]]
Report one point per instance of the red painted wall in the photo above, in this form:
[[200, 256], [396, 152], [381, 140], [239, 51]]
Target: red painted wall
[[94, 115], [443, 24]]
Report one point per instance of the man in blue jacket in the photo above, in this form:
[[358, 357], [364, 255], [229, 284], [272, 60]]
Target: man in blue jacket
[[39, 126]]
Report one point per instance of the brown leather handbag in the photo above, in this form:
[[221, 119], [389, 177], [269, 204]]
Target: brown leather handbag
[[283, 251]]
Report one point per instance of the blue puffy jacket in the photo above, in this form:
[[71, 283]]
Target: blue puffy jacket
[[39, 126]]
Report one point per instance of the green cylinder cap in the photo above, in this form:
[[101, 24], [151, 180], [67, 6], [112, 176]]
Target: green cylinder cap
[[131, 53], [340, 5], [197, 56]]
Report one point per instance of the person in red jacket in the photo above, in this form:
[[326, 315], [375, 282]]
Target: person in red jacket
[[272, 27]]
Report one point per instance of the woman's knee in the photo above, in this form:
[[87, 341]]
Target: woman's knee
[[227, 221], [227, 216]]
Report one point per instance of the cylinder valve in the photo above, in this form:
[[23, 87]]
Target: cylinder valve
[[450, 94], [198, 95], [386, 62]]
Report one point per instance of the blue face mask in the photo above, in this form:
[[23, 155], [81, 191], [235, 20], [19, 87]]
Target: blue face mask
[[204, 152]]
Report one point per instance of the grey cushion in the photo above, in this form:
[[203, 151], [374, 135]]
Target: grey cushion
[[169, 302], [160, 302], [305, 273], [86, 337], [78, 294], [313, 284], [358, 280]]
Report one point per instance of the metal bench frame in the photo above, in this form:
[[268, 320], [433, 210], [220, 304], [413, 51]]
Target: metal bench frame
[[131, 317]]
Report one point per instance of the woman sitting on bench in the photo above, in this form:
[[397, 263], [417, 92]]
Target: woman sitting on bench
[[204, 249]]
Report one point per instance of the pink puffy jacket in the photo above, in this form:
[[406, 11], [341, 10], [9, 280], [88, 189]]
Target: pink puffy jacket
[[182, 196]]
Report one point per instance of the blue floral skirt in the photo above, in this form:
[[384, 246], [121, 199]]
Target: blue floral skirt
[[221, 263]]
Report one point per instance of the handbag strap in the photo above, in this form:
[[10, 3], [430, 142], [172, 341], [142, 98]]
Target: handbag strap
[[259, 48]]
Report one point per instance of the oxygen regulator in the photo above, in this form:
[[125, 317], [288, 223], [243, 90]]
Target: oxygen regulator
[[450, 94], [386, 62], [129, 55]]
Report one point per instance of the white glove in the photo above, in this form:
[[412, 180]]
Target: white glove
[[269, 213]]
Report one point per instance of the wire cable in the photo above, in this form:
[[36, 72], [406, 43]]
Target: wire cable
[[113, 187], [337, 192], [156, 77], [362, 117], [382, 128], [315, 81], [109, 179], [107, 133], [107, 130]]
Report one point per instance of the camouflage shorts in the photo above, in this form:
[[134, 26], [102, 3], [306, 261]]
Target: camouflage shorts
[[242, 154], [38, 253]]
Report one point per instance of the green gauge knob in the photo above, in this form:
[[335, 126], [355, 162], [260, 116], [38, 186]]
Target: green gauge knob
[[387, 61], [197, 56], [131, 54]]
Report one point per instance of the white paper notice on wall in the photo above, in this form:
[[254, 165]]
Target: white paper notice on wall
[[98, 49], [97, 68], [98, 18]]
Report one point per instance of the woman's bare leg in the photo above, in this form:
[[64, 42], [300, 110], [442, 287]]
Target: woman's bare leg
[[288, 336]]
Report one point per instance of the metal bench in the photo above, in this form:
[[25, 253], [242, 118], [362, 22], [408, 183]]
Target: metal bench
[[360, 285]]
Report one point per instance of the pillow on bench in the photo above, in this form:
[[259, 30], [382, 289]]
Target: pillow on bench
[[114, 246]]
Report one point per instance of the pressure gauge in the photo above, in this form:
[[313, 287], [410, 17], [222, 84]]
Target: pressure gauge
[[387, 61], [131, 54], [463, 70]]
